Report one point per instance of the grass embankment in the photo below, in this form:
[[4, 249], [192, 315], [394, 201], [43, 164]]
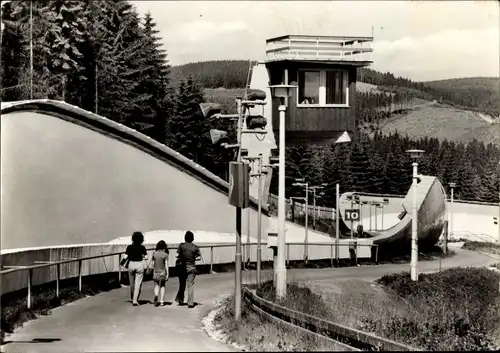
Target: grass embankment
[[15, 311], [492, 248], [256, 333], [457, 309]]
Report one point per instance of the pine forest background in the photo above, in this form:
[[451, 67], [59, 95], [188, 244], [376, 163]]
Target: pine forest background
[[103, 57]]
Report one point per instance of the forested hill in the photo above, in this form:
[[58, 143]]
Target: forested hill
[[214, 74], [479, 94]]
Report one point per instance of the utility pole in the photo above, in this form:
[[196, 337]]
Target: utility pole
[[237, 259], [31, 49], [238, 171], [337, 222]]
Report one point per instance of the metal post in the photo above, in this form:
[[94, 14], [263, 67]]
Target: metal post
[[360, 221], [96, 88], [337, 224], [259, 223], [352, 222], [371, 205], [280, 268], [382, 227], [31, 49], [30, 282], [211, 260], [80, 276], [238, 258], [58, 270], [331, 255], [451, 213], [306, 247], [314, 208], [247, 248], [119, 269], [414, 229]]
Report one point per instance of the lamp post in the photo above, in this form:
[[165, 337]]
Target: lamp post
[[450, 228], [257, 175], [306, 202], [282, 92], [357, 201], [350, 198], [337, 222], [376, 205], [499, 197], [313, 189], [415, 155], [385, 202]]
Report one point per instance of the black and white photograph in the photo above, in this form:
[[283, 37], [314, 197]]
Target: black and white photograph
[[223, 176]]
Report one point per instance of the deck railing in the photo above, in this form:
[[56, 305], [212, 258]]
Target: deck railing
[[302, 47]]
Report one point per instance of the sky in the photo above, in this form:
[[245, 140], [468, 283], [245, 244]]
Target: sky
[[420, 40]]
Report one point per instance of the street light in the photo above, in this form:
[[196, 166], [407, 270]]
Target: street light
[[282, 92], [385, 202], [450, 228], [306, 201], [313, 189], [415, 155]]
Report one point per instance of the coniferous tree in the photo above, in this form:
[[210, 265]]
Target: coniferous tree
[[188, 123]]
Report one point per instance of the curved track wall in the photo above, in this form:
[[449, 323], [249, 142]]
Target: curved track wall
[[72, 174]]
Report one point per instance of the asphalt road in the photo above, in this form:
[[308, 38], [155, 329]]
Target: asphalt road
[[107, 322]]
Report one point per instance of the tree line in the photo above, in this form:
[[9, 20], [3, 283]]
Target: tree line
[[381, 165]]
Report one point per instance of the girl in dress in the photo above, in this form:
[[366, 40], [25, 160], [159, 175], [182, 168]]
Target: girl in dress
[[161, 273]]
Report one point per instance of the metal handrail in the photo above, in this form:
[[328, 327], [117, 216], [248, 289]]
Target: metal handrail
[[31, 268], [61, 262]]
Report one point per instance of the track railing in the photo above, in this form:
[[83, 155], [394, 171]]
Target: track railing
[[350, 338], [74, 267]]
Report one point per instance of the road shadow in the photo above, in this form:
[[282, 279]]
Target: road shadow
[[35, 340]]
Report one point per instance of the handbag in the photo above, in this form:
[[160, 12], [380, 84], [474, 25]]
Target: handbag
[[124, 262]]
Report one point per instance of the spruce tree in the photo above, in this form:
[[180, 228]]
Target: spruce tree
[[188, 126]]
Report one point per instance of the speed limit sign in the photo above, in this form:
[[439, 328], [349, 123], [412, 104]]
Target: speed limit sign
[[352, 215]]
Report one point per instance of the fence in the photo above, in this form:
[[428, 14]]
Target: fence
[[329, 212], [354, 338], [29, 268]]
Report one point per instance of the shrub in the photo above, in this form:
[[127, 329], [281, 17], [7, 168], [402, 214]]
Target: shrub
[[454, 309]]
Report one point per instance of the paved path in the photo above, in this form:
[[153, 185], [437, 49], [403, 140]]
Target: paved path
[[106, 322]]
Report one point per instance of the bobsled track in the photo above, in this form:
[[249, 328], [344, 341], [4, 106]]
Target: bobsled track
[[392, 240], [73, 177]]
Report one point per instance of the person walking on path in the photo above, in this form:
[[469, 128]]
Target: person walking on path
[[136, 255], [161, 272], [187, 255]]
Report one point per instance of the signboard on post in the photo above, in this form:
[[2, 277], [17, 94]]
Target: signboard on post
[[351, 215], [239, 184]]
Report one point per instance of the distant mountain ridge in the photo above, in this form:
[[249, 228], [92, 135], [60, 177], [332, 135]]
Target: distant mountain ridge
[[481, 94]]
